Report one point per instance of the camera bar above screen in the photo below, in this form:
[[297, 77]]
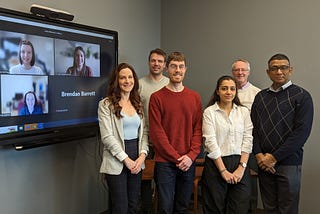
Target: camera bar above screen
[[52, 75]]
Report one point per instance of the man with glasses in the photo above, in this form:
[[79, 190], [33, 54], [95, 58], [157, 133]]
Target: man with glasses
[[148, 84], [246, 93], [175, 118], [282, 118]]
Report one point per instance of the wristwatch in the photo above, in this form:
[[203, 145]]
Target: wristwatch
[[243, 164]]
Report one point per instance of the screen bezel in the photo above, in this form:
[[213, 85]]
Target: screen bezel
[[65, 133]]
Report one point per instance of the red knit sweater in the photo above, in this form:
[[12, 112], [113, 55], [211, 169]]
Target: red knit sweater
[[175, 121]]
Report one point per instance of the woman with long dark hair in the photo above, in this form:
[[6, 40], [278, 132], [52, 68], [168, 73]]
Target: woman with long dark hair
[[79, 67], [227, 131], [124, 136]]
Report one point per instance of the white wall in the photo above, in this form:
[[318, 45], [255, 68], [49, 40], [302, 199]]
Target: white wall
[[213, 33], [64, 178]]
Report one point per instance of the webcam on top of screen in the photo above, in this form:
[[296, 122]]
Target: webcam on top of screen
[[50, 13]]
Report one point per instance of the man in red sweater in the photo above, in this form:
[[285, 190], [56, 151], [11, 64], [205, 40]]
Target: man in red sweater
[[175, 119]]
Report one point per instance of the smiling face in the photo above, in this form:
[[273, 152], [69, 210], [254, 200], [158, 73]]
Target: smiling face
[[241, 72], [26, 54], [279, 72], [156, 64], [227, 91], [126, 80], [30, 100], [79, 58], [176, 71]]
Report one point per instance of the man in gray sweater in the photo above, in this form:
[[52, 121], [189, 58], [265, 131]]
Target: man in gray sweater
[[148, 84]]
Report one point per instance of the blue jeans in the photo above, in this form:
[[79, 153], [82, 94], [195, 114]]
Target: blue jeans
[[174, 187]]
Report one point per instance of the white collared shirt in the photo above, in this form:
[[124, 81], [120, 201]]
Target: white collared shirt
[[282, 87], [227, 135]]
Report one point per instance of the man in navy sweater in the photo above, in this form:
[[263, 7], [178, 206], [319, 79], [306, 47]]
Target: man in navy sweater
[[282, 117]]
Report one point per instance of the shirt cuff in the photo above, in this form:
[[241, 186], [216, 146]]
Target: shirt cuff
[[144, 151], [214, 155], [121, 156]]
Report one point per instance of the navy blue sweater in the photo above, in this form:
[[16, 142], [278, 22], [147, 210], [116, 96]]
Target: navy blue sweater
[[282, 123]]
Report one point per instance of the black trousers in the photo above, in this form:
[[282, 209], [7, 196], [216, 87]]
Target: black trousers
[[220, 197], [125, 188]]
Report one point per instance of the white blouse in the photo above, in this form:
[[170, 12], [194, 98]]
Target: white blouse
[[227, 135]]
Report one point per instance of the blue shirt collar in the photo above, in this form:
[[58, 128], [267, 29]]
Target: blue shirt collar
[[282, 87]]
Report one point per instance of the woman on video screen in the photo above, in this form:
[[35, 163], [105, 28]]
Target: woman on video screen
[[79, 67], [27, 60], [31, 105]]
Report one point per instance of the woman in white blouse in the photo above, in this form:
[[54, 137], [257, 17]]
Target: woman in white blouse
[[227, 131]]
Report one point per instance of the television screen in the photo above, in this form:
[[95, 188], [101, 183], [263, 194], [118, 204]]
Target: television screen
[[52, 75]]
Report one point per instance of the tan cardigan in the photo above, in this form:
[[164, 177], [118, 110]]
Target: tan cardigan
[[111, 129]]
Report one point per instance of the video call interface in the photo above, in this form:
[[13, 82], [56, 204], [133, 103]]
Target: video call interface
[[51, 75]]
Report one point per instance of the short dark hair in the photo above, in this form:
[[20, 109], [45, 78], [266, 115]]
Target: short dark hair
[[278, 56], [159, 52], [176, 56]]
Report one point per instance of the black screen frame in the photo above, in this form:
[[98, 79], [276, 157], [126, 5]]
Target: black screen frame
[[67, 132]]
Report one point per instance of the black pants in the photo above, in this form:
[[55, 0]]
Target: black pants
[[146, 197], [220, 197], [253, 165], [124, 189]]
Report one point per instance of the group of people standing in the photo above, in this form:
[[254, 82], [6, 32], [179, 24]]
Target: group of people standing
[[159, 118]]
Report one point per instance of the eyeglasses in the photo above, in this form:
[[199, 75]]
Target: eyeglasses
[[276, 68], [240, 69], [174, 66]]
